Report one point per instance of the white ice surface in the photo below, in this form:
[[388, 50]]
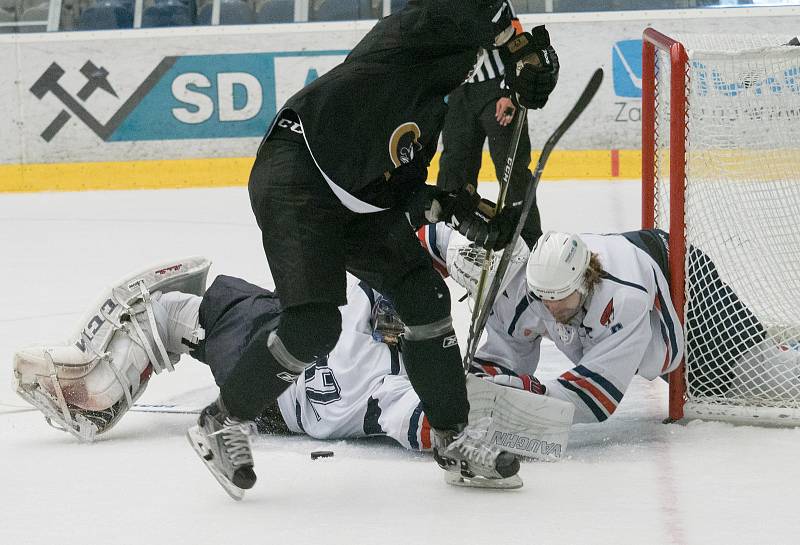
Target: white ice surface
[[631, 480]]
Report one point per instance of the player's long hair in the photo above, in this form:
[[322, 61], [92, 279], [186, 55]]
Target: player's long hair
[[593, 274]]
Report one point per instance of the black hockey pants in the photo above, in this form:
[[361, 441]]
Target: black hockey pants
[[310, 240]]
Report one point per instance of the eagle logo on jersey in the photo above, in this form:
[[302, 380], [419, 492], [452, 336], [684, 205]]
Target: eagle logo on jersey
[[608, 314], [404, 142]]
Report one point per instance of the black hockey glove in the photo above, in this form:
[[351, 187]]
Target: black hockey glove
[[531, 67], [473, 219], [425, 206], [431, 205]]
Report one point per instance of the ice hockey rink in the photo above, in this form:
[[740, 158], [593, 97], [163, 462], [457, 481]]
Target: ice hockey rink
[[630, 480]]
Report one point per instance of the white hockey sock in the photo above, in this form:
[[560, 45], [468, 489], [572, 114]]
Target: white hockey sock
[[163, 322], [177, 319]]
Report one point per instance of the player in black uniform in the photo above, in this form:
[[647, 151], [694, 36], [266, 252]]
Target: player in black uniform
[[337, 179]]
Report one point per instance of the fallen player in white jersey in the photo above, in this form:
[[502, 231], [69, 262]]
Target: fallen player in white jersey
[[361, 389], [604, 301]]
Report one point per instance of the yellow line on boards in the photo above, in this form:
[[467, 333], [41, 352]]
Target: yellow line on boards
[[227, 172], [171, 174]]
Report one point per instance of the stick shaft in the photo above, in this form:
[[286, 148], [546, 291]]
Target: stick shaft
[[481, 313]]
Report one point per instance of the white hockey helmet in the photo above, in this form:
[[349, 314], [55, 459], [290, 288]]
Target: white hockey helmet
[[557, 265]]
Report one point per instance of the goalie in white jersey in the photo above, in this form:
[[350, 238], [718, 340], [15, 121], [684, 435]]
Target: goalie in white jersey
[[604, 301]]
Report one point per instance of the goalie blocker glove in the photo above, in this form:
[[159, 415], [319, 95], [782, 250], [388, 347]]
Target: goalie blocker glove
[[531, 67]]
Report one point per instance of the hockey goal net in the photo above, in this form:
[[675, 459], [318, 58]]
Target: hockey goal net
[[721, 175]]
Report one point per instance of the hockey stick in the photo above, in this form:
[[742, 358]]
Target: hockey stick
[[519, 124], [483, 306]]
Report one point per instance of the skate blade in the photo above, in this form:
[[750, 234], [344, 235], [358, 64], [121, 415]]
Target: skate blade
[[509, 483], [197, 441]]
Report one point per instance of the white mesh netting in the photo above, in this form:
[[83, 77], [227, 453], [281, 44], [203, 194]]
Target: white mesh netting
[[742, 211]]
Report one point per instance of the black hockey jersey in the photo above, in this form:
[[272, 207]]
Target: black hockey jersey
[[360, 119]]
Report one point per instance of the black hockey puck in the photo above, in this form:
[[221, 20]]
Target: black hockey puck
[[321, 454]]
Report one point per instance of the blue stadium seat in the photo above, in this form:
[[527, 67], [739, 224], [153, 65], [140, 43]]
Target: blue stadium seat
[[7, 17], [232, 12], [127, 4], [36, 13], [654, 4], [615, 5], [276, 11], [334, 10], [167, 13], [581, 5], [397, 5], [105, 15], [191, 4]]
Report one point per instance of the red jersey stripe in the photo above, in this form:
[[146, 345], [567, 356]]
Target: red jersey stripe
[[590, 388], [425, 434]]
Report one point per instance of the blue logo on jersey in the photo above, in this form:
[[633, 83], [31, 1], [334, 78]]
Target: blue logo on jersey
[[626, 67]]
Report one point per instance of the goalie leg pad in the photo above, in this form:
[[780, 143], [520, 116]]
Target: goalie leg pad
[[85, 386], [525, 424]]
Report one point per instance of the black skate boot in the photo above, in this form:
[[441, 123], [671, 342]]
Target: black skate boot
[[223, 443], [470, 460]]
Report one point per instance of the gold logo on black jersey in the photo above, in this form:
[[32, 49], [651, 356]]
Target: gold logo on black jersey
[[404, 143]]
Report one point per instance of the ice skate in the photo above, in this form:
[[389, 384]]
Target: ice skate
[[470, 460], [223, 443]]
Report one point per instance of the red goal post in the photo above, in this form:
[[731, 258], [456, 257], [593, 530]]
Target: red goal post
[[652, 40]]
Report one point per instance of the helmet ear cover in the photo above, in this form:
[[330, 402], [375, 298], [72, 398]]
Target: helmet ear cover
[[557, 265]]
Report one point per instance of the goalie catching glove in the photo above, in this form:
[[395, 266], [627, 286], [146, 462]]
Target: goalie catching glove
[[465, 212]]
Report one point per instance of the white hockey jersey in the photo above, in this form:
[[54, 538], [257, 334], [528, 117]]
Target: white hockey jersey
[[628, 326], [361, 389]]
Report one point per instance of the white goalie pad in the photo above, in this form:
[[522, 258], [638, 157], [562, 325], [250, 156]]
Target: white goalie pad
[[522, 423], [85, 385], [465, 262]]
